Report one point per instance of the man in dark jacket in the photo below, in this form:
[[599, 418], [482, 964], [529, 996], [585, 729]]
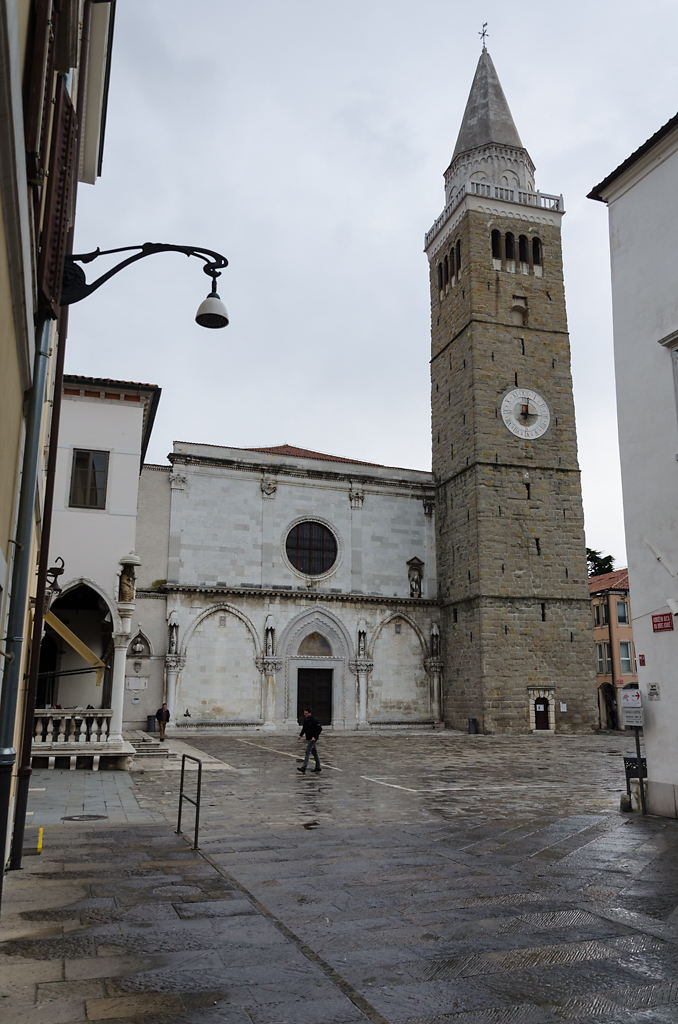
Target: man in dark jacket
[[163, 716], [311, 729]]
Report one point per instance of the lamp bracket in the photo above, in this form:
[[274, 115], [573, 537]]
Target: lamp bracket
[[74, 284]]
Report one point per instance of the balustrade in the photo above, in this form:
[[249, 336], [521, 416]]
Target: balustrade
[[84, 727]]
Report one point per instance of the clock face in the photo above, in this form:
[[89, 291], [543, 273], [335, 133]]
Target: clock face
[[525, 413]]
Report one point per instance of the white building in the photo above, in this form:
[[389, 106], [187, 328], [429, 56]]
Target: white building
[[643, 219], [104, 431]]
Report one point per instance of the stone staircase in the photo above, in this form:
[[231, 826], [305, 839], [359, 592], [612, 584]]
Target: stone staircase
[[148, 748]]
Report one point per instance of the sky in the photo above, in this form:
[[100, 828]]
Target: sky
[[307, 142]]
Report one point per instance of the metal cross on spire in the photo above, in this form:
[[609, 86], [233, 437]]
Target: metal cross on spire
[[483, 35]]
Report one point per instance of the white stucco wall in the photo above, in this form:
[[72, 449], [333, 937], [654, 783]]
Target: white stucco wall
[[643, 223], [92, 541]]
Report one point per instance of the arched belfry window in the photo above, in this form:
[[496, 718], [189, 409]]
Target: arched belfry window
[[446, 272], [440, 277], [458, 247], [536, 251], [496, 244], [510, 244], [523, 249], [452, 263]]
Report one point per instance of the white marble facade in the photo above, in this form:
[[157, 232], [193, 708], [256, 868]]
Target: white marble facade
[[242, 625]]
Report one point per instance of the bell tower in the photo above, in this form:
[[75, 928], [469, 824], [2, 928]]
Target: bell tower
[[512, 571]]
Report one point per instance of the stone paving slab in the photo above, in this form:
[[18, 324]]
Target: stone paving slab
[[441, 879]]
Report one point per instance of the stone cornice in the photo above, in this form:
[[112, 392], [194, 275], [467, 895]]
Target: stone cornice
[[292, 595], [398, 480]]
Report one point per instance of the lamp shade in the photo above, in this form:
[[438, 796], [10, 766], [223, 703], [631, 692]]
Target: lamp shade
[[212, 312]]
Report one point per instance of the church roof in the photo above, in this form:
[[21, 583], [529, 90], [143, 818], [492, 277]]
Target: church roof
[[306, 453], [487, 117]]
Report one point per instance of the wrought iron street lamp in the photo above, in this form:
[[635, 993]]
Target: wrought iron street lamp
[[211, 312]]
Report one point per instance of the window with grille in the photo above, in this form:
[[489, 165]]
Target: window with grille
[[311, 548], [89, 477]]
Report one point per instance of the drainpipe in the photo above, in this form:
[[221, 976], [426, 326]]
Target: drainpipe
[[21, 570], [24, 764]]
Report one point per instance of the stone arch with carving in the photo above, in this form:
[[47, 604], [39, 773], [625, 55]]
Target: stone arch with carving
[[145, 639], [330, 626], [221, 680], [227, 609], [400, 688]]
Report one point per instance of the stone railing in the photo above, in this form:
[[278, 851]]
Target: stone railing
[[541, 200], [81, 727]]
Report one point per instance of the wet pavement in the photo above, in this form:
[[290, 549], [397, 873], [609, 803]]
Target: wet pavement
[[419, 879]]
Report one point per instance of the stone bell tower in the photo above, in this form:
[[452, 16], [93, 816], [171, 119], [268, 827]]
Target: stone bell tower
[[512, 572]]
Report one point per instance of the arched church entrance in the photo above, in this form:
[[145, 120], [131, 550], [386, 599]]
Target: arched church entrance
[[541, 713], [314, 685], [316, 649]]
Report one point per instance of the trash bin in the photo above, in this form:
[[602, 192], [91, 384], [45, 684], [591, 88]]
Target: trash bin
[[473, 726], [151, 723]]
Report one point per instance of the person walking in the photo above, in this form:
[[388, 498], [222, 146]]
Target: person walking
[[310, 729], [163, 716]]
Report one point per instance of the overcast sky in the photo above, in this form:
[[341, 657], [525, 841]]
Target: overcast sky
[[307, 142]]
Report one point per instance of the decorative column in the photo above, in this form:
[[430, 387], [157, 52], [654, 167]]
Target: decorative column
[[269, 665], [356, 497], [434, 668], [362, 667], [173, 665], [126, 605]]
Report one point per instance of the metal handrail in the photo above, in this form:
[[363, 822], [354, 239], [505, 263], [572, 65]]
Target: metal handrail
[[184, 796]]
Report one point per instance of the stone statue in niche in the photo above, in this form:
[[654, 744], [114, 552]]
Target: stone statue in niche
[[126, 585], [362, 643], [415, 573], [269, 633], [435, 641], [172, 634]]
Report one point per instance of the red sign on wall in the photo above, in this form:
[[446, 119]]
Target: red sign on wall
[[662, 622]]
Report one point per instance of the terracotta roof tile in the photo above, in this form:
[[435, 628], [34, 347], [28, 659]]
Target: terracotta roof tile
[[617, 580]]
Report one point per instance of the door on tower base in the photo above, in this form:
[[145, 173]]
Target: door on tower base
[[541, 713], [314, 690]]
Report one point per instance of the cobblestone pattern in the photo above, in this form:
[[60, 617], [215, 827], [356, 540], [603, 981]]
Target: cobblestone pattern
[[430, 878]]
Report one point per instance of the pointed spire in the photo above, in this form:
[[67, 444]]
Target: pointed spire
[[487, 117]]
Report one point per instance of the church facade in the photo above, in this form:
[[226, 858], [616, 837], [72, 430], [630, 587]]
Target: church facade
[[281, 577]]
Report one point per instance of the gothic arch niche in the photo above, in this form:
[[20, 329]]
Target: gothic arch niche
[[317, 641], [399, 688], [69, 681], [220, 681]]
